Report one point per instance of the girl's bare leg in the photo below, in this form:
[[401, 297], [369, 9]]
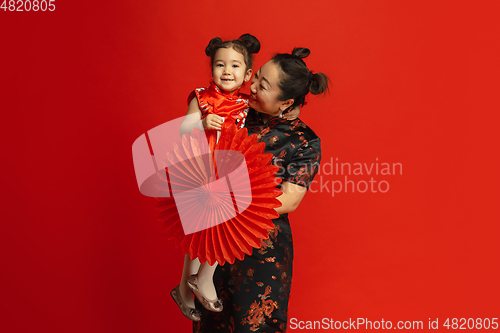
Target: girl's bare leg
[[206, 280], [190, 267]]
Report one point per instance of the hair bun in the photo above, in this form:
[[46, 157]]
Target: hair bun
[[319, 84], [214, 42], [251, 43], [301, 52]]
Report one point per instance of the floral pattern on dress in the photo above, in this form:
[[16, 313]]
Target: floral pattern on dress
[[259, 310]]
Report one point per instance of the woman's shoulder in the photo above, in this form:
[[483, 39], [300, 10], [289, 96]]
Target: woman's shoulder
[[301, 128], [298, 135]]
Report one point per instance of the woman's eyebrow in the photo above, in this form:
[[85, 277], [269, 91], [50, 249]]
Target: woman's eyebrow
[[264, 78]]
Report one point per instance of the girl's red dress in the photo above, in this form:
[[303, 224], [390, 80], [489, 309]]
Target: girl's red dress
[[240, 234], [232, 106]]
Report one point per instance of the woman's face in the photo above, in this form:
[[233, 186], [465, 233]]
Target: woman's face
[[265, 91]]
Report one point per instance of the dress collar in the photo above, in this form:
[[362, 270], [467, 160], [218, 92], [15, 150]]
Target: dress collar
[[226, 94], [271, 122]]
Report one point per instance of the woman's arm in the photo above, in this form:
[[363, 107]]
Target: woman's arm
[[291, 197], [302, 168]]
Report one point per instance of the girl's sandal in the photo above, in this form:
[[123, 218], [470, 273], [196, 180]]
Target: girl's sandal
[[188, 312], [212, 305]]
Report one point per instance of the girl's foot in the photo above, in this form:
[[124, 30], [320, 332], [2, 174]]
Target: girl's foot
[[186, 294], [208, 300], [188, 312]]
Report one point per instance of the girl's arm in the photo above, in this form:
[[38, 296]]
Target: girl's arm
[[291, 197], [193, 119]]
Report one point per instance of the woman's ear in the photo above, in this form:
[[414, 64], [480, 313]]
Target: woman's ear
[[286, 104], [248, 75]]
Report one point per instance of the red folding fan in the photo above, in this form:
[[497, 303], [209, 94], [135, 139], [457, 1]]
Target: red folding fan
[[223, 197]]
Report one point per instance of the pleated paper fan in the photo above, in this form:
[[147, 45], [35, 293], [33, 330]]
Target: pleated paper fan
[[223, 197]]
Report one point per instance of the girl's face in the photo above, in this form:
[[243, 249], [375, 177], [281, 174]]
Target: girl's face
[[229, 69], [265, 91]]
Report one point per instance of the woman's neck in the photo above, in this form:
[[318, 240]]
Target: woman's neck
[[265, 117]]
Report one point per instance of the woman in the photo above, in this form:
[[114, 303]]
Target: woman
[[255, 291]]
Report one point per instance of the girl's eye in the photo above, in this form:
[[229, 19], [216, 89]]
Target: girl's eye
[[219, 65], [261, 87], [236, 66]]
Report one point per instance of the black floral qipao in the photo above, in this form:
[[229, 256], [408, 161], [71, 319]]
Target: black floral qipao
[[255, 291]]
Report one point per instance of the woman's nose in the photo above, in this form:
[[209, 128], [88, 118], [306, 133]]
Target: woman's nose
[[253, 87]]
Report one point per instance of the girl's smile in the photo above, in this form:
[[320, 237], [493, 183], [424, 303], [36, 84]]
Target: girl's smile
[[229, 70]]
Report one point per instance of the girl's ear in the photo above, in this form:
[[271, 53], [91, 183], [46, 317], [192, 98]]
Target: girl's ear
[[248, 75], [286, 104]]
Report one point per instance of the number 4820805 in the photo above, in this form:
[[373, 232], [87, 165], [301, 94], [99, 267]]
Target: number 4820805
[[28, 5]]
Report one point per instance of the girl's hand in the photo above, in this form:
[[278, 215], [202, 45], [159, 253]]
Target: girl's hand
[[213, 122], [292, 114]]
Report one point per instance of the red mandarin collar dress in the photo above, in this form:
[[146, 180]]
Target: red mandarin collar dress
[[194, 179], [232, 106]]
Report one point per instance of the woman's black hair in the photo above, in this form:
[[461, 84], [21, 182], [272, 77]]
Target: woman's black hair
[[296, 80], [246, 45]]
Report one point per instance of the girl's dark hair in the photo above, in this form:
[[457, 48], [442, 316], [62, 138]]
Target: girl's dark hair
[[296, 80], [246, 45]]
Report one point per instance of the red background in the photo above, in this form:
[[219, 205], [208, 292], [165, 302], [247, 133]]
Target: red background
[[412, 82]]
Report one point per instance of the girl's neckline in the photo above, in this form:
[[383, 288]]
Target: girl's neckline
[[224, 93]]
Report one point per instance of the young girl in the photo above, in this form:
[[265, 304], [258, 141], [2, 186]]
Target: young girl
[[231, 63]]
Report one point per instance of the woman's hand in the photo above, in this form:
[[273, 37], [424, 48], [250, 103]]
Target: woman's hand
[[292, 114], [291, 197], [213, 122]]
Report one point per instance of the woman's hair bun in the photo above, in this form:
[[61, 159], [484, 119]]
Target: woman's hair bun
[[301, 52], [251, 43], [213, 44], [297, 80], [319, 84]]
